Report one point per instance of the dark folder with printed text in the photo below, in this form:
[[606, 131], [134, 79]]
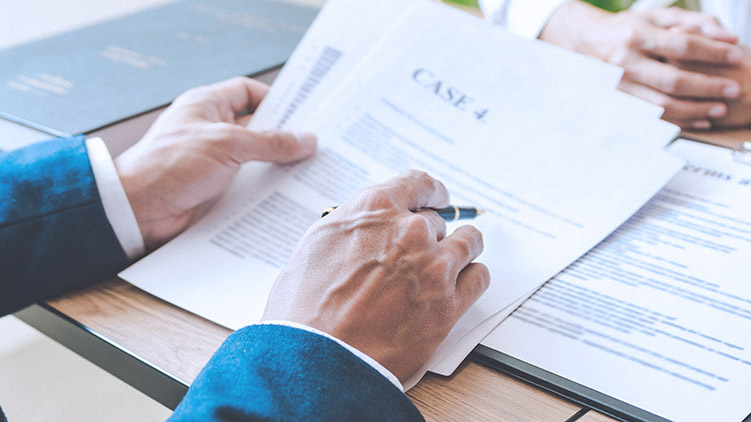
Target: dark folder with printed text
[[83, 80]]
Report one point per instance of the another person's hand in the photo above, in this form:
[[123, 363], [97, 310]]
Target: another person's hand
[[739, 109], [380, 274], [641, 43], [192, 152]]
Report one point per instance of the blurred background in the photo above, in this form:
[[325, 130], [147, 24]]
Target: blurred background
[[612, 5]]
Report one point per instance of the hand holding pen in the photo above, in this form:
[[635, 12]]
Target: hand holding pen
[[449, 214], [382, 274]]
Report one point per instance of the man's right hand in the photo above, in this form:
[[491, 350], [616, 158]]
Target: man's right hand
[[646, 45], [380, 274]]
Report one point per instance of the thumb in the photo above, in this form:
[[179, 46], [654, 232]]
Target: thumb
[[271, 146]]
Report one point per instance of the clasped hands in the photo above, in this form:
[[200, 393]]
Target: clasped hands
[[683, 61], [379, 273]]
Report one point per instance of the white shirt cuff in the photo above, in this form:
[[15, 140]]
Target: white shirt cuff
[[367, 359], [523, 17], [114, 200]]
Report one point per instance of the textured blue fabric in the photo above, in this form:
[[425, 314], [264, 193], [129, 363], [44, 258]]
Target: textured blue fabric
[[277, 373], [54, 235]]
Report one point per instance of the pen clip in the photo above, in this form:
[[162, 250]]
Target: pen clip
[[327, 211]]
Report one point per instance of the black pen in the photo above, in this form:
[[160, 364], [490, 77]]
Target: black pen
[[450, 213]]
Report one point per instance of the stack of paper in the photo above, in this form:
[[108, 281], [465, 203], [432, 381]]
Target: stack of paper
[[537, 136], [665, 299]]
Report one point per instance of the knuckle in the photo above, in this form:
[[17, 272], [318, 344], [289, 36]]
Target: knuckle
[[479, 240], [664, 102], [281, 142], [484, 276], [377, 198], [438, 270], [685, 45], [418, 228], [464, 248], [473, 241], [477, 287], [673, 84], [421, 178], [238, 80], [193, 95], [620, 58], [632, 38], [418, 175]]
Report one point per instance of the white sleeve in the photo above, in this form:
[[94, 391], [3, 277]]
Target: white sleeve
[[523, 17], [114, 200], [367, 359]]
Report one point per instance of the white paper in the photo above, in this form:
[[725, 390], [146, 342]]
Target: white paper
[[343, 33], [658, 315], [346, 31], [544, 152]]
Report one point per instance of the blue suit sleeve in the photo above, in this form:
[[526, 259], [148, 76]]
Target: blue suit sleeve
[[54, 234], [272, 372]]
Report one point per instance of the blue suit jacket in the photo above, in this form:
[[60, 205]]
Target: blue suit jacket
[[55, 237]]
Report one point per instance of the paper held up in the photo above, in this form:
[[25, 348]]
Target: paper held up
[[535, 135]]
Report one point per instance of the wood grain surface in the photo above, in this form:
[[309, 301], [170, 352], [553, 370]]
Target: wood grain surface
[[180, 343], [593, 416]]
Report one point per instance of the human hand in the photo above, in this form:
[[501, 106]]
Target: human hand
[[739, 109], [642, 42], [380, 274], [192, 152]]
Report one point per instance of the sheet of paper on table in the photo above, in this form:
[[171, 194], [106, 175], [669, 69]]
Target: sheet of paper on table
[[666, 299], [536, 136]]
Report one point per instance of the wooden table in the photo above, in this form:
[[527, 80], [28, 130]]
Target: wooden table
[[119, 327], [159, 348]]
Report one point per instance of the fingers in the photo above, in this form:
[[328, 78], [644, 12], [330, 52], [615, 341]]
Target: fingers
[[680, 45], [416, 189], [269, 146], [230, 97], [435, 221], [673, 81], [463, 246], [683, 112], [691, 21], [471, 283]]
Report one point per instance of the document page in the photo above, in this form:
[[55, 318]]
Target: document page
[[496, 129], [659, 314], [345, 31]]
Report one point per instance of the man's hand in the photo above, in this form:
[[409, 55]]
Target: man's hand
[[643, 43], [192, 152], [380, 274]]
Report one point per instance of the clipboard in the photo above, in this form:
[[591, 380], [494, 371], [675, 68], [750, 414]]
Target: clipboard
[[578, 393], [563, 387]]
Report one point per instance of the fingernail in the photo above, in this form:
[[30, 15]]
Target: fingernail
[[701, 124], [718, 110], [735, 55], [732, 90], [307, 140]]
